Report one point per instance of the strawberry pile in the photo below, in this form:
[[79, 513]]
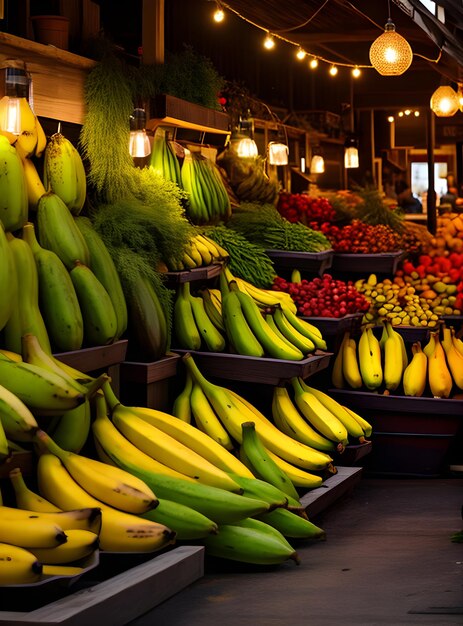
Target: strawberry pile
[[299, 207], [360, 238], [324, 297]]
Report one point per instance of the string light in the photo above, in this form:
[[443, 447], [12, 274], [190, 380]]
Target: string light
[[219, 14], [356, 72], [269, 42], [313, 63], [390, 119], [300, 54], [333, 70], [416, 113], [445, 101]]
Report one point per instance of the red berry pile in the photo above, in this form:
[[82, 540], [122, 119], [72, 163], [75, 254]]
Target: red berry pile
[[299, 207], [358, 237], [324, 297]]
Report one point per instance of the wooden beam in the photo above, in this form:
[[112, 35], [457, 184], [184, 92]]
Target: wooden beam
[[153, 32]]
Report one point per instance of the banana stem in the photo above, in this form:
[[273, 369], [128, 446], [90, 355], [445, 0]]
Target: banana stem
[[47, 442], [96, 384], [101, 406], [109, 395], [194, 371]]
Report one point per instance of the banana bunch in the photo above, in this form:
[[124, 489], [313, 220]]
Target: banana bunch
[[444, 363], [31, 140], [201, 251], [163, 160], [13, 190], [208, 200], [64, 173], [248, 178]]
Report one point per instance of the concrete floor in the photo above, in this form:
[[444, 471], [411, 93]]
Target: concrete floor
[[388, 560]]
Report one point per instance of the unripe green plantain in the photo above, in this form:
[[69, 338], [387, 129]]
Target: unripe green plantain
[[57, 297], [292, 525], [8, 279], [186, 332], [14, 202], [187, 523], [148, 324]]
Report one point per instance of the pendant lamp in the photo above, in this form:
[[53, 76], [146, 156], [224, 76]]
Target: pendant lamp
[[445, 101], [390, 53]]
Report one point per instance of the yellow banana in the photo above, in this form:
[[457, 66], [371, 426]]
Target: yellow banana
[[415, 374], [305, 328], [366, 426], [296, 338], [369, 352], [337, 375], [41, 139], [88, 519], [18, 566], [457, 342], [429, 347], [299, 478], [79, 544], [31, 532], [206, 419], [34, 185], [120, 532], [439, 376], [393, 359], [26, 143], [350, 366], [28, 499], [454, 358]]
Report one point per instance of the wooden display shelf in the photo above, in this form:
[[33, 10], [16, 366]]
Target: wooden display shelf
[[383, 263], [172, 111], [124, 597], [147, 384], [335, 326], [257, 369], [332, 489], [316, 262], [197, 273]]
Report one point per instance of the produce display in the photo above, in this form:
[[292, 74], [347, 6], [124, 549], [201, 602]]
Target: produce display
[[247, 177], [361, 238], [384, 364], [449, 234], [323, 296]]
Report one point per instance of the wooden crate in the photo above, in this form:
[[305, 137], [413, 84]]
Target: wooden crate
[[147, 384], [332, 489]]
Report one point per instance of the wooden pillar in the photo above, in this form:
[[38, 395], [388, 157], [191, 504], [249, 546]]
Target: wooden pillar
[[431, 197], [153, 32]]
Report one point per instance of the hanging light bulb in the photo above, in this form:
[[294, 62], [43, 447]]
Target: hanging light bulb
[[17, 85], [300, 54], [390, 119], [277, 153], [356, 72], [219, 14], [390, 53], [247, 147], [351, 153], [139, 143], [445, 101], [416, 113], [333, 70], [317, 164], [313, 63], [269, 42]]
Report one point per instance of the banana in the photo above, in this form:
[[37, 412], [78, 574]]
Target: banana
[[196, 209], [272, 344], [8, 279], [34, 185], [185, 329], [206, 256], [232, 412], [457, 342], [217, 253], [454, 358], [41, 139], [351, 424], [28, 499], [263, 490], [181, 407], [206, 419], [79, 545], [299, 478], [350, 366], [318, 415], [164, 448], [254, 453], [148, 327], [187, 523], [26, 143], [32, 532], [13, 189], [98, 314], [72, 429], [369, 353], [304, 327], [439, 376], [366, 426], [415, 374], [393, 359], [288, 419], [429, 347], [258, 525], [337, 372], [18, 566], [26, 316], [61, 570], [296, 338], [213, 339], [4, 445], [57, 231], [219, 505], [88, 519], [57, 296], [120, 532], [17, 421], [239, 333], [270, 319], [110, 485], [184, 433], [63, 172], [248, 545], [102, 265], [8, 355], [291, 525]]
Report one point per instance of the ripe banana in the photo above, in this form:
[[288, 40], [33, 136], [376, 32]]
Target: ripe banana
[[415, 374], [13, 190], [291, 333], [57, 297], [187, 523], [206, 419], [110, 485], [26, 143], [31, 532], [18, 566], [350, 366], [254, 454], [232, 412], [337, 372], [102, 265], [299, 478], [369, 353], [58, 231], [454, 358], [79, 545], [366, 426], [439, 376], [28, 499], [98, 314], [120, 532], [393, 360], [318, 415], [429, 347], [88, 519], [34, 185], [304, 327]]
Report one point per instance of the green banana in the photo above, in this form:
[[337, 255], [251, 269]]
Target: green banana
[[14, 203], [239, 333], [98, 314], [213, 339], [182, 407], [102, 265], [263, 490], [187, 523], [292, 525], [72, 429], [253, 451], [148, 328], [213, 313], [58, 231], [185, 329], [206, 419], [63, 172], [291, 333], [4, 447], [305, 328], [8, 279], [26, 316], [17, 421], [251, 522], [248, 545], [57, 297]]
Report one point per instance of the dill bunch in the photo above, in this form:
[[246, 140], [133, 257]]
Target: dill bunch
[[373, 210]]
